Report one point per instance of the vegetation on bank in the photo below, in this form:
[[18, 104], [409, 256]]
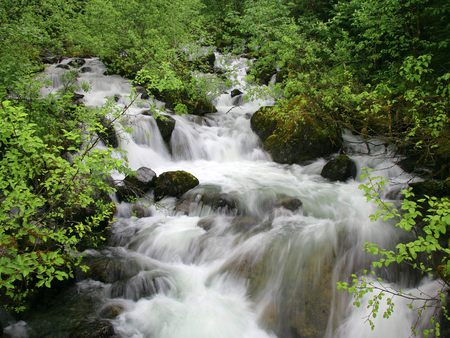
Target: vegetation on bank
[[376, 67]]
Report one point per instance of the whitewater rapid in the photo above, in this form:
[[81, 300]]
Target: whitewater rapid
[[259, 270]]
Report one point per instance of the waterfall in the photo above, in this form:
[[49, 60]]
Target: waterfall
[[255, 268]]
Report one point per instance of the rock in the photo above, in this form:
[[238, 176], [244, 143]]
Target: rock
[[244, 223], [293, 135], [262, 123], [63, 66], [116, 97], [341, 168], [235, 92], [206, 223], [166, 125], [174, 183], [136, 185], [289, 203], [76, 63], [51, 59], [140, 210], [211, 196], [108, 134], [86, 70], [109, 269], [201, 108], [111, 311], [93, 328], [437, 188], [77, 98]]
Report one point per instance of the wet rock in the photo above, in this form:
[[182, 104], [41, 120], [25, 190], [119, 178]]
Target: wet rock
[[174, 183], [111, 311], [211, 196], [134, 289], [140, 210], [262, 123], [135, 186], [63, 66], [166, 125], [51, 59], [77, 98], [206, 223], [293, 135], [341, 168], [86, 70], [289, 203], [244, 223], [201, 108], [108, 134], [109, 269], [437, 188], [93, 328], [235, 92], [77, 62]]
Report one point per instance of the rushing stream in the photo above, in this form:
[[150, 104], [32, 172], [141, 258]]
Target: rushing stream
[[250, 268]]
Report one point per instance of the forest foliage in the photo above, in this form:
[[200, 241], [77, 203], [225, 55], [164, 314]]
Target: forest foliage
[[377, 67]]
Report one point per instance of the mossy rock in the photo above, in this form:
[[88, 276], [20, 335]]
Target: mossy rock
[[174, 183], [166, 125], [437, 188], [263, 123], [340, 168], [292, 133]]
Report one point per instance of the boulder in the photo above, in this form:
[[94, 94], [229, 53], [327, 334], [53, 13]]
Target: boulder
[[93, 328], [212, 196], [86, 70], [174, 183], [111, 311], [291, 134], [340, 168], [137, 184], [206, 223], [244, 223], [235, 92], [437, 188], [51, 59], [76, 63], [166, 125], [63, 66], [289, 203]]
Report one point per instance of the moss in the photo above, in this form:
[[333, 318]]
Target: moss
[[174, 183], [294, 133]]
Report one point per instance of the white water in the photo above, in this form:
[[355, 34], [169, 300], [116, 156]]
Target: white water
[[276, 276]]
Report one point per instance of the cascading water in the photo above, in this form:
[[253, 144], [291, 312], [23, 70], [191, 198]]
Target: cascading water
[[251, 267]]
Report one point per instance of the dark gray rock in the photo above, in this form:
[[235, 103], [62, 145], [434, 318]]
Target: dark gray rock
[[288, 202], [111, 311], [63, 66], [77, 62], [136, 185], [51, 59], [93, 328], [341, 168], [437, 188], [236, 92], [166, 125], [86, 70]]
